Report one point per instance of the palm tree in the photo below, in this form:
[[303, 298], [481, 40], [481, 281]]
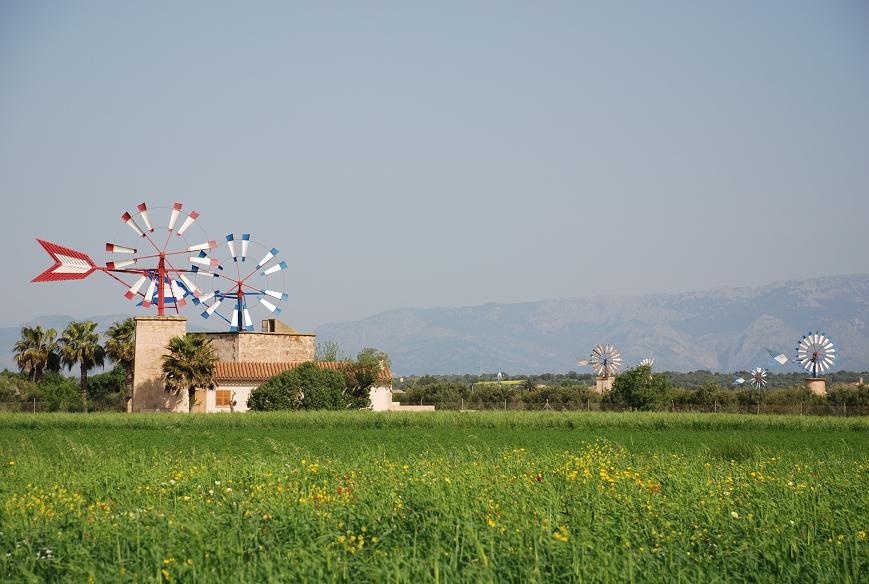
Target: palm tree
[[189, 364], [80, 346], [36, 351], [121, 347]]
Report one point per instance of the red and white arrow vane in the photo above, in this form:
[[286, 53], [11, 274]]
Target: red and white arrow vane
[[69, 264]]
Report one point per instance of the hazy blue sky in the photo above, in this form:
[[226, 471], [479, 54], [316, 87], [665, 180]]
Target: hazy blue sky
[[410, 154]]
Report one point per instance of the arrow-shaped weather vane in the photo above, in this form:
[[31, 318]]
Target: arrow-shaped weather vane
[[69, 264]]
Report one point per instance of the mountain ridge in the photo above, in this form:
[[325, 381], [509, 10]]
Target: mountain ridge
[[723, 328]]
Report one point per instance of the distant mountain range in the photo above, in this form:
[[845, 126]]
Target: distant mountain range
[[724, 329]]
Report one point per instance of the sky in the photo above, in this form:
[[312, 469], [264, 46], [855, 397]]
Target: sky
[[406, 154]]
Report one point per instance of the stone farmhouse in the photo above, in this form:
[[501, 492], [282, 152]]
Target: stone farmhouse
[[245, 361]]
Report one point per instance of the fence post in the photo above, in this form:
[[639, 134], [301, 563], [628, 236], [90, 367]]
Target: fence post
[[462, 407], [801, 408], [758, 408], [505, 405], [34, 405]]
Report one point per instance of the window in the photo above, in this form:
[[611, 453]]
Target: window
[[223, 397]]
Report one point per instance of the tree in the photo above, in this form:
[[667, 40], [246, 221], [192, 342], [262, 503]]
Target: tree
[[37, 351], [640, 389], [189, 364], [107, 390], [306, 387], [80, 346], [370, 367], [121, 347], [327, 351]]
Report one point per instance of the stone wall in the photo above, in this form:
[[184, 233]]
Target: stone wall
[[263, 347], [603, 384], [152, 338], [816, 385]]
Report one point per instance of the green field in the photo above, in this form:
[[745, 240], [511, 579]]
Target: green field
[[508, 497]]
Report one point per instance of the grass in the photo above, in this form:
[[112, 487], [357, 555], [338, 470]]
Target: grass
[[508, 497]]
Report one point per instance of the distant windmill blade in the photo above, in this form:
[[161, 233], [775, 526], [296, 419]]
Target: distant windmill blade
[[757, 378], [737, 381], [815, 353], [605, 360], [647, 362], [582, 362], [778, 356]]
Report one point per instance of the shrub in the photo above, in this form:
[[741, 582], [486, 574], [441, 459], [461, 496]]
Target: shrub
[[640, 389], [849, 395], [306, 387], [59, 393]]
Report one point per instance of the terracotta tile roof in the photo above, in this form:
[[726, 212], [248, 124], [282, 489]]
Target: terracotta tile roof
[[263, 371]]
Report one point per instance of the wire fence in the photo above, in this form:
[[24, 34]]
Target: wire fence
[[799, 409], [40, 407], [35, 407]]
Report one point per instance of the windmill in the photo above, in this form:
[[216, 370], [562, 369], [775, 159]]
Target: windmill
[[152, 265], [606, 362], [816, 353], [237, 287], [159, 266], [647, 362], [757, 378]]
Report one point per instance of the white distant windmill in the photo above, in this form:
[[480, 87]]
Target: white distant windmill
[[647, 362], [757, 378], [606, 362], [816, 354]]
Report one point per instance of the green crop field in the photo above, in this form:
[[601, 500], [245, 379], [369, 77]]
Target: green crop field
[[507, 497]]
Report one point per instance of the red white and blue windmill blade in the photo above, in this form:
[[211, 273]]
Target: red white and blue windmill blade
[[163, 270], [816, 353], [238, 287], [167, 284], [757, 378], [605, 360]]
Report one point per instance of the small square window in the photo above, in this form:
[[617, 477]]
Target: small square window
[[223, 397]]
